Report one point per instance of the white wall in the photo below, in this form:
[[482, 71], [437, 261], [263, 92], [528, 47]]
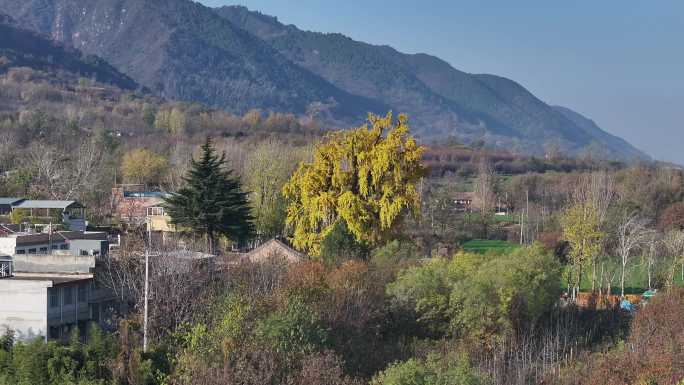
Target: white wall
[[7, 245], [23, 307]]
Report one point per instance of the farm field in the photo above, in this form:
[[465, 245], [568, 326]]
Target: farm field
[[483, 246], [636, 277]]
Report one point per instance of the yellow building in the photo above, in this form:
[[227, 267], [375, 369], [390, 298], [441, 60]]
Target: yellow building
[[158, 220]]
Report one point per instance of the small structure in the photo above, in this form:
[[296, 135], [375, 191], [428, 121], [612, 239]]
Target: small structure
[[464, 202], [70, 213], [274, 249], [7, 203], [158, 220]]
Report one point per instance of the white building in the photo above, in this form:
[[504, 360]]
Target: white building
[[48, 296], [75, 242]]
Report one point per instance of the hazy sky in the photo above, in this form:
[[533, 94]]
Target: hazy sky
[[620, 63]]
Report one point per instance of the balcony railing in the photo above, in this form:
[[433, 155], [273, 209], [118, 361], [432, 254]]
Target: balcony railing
[[5, 269]]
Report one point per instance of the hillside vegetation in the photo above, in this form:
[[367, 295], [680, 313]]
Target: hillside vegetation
[[237, 60]]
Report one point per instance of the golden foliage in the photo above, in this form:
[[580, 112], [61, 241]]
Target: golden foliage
[[581, 228], [143, 166], [366, 176]]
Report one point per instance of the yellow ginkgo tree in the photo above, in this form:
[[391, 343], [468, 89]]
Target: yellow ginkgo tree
[[366, 177]]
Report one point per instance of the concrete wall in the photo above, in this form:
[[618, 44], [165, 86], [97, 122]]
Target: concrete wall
[[69, 313], [7, 245], [76, 245], [23, 307], [53, 263]]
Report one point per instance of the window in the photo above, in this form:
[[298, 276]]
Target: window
[[55, 247], [53, 333], [31, 251], [82, 292], [54, 297], [155, 211], [68, 295], [64, 247], [21, 251], [43, 249], [83, 252]]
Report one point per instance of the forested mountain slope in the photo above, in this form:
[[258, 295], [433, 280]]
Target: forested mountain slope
[[22, 48], [236, 59], [444, 100], [184, 51]]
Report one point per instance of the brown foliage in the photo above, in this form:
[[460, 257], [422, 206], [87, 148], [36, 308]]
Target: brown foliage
[[672, 218], [653, 353]]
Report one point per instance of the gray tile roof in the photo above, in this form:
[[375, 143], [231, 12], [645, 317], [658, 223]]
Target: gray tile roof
[[45, 204], [10, 201]]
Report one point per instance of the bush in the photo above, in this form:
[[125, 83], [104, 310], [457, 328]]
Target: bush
[[477, 296], [434, 370]]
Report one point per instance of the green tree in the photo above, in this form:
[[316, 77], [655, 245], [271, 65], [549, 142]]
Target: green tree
[[434, 370], [366, 176], [293, 331], [268, 169], [480, 296], [581, 228], [212, 202], [339, 245], [18, 216]]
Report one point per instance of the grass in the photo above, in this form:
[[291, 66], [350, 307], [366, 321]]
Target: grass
[[475, 217], [483, 246], [636, 277]]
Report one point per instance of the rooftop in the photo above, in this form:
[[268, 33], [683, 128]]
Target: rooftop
[[144, 194], [10, 201], [59, 236], [56, 279], [46, 204]]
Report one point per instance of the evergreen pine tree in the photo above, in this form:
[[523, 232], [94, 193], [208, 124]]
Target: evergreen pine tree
[[211, 203]]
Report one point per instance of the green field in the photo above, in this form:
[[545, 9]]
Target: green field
[[636, 277], [483, 246], [475, 217]]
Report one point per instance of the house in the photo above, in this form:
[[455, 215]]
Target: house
[[48, 296], [7, 203], [465, 202], [274, 249], [158, 219], [130, 202], [73, 242], [50, 212]]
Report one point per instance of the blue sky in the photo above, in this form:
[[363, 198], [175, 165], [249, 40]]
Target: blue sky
[[620, 63]]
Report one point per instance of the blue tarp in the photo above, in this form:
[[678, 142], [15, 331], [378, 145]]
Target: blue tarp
[[626, 305]]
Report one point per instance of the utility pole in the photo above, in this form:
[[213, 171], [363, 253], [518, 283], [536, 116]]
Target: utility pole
[[147, 282]]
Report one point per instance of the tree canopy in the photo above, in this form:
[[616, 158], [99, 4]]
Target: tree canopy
[[212, 202], [366, 176]]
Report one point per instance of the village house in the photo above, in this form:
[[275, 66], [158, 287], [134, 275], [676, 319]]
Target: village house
[[73, 242], [464, 202], [46, 213], [50, 295], [274, 249], [130, 202], [7, 203]]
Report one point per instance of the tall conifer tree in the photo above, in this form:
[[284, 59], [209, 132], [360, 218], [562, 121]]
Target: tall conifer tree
[[212, 202]]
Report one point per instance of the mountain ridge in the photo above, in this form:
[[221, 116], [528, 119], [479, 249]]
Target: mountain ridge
[[503, 106], [237, 59], [19, 47]]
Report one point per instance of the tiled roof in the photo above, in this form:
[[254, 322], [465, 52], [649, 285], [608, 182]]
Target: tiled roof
[[275, 248], [45, 204]]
